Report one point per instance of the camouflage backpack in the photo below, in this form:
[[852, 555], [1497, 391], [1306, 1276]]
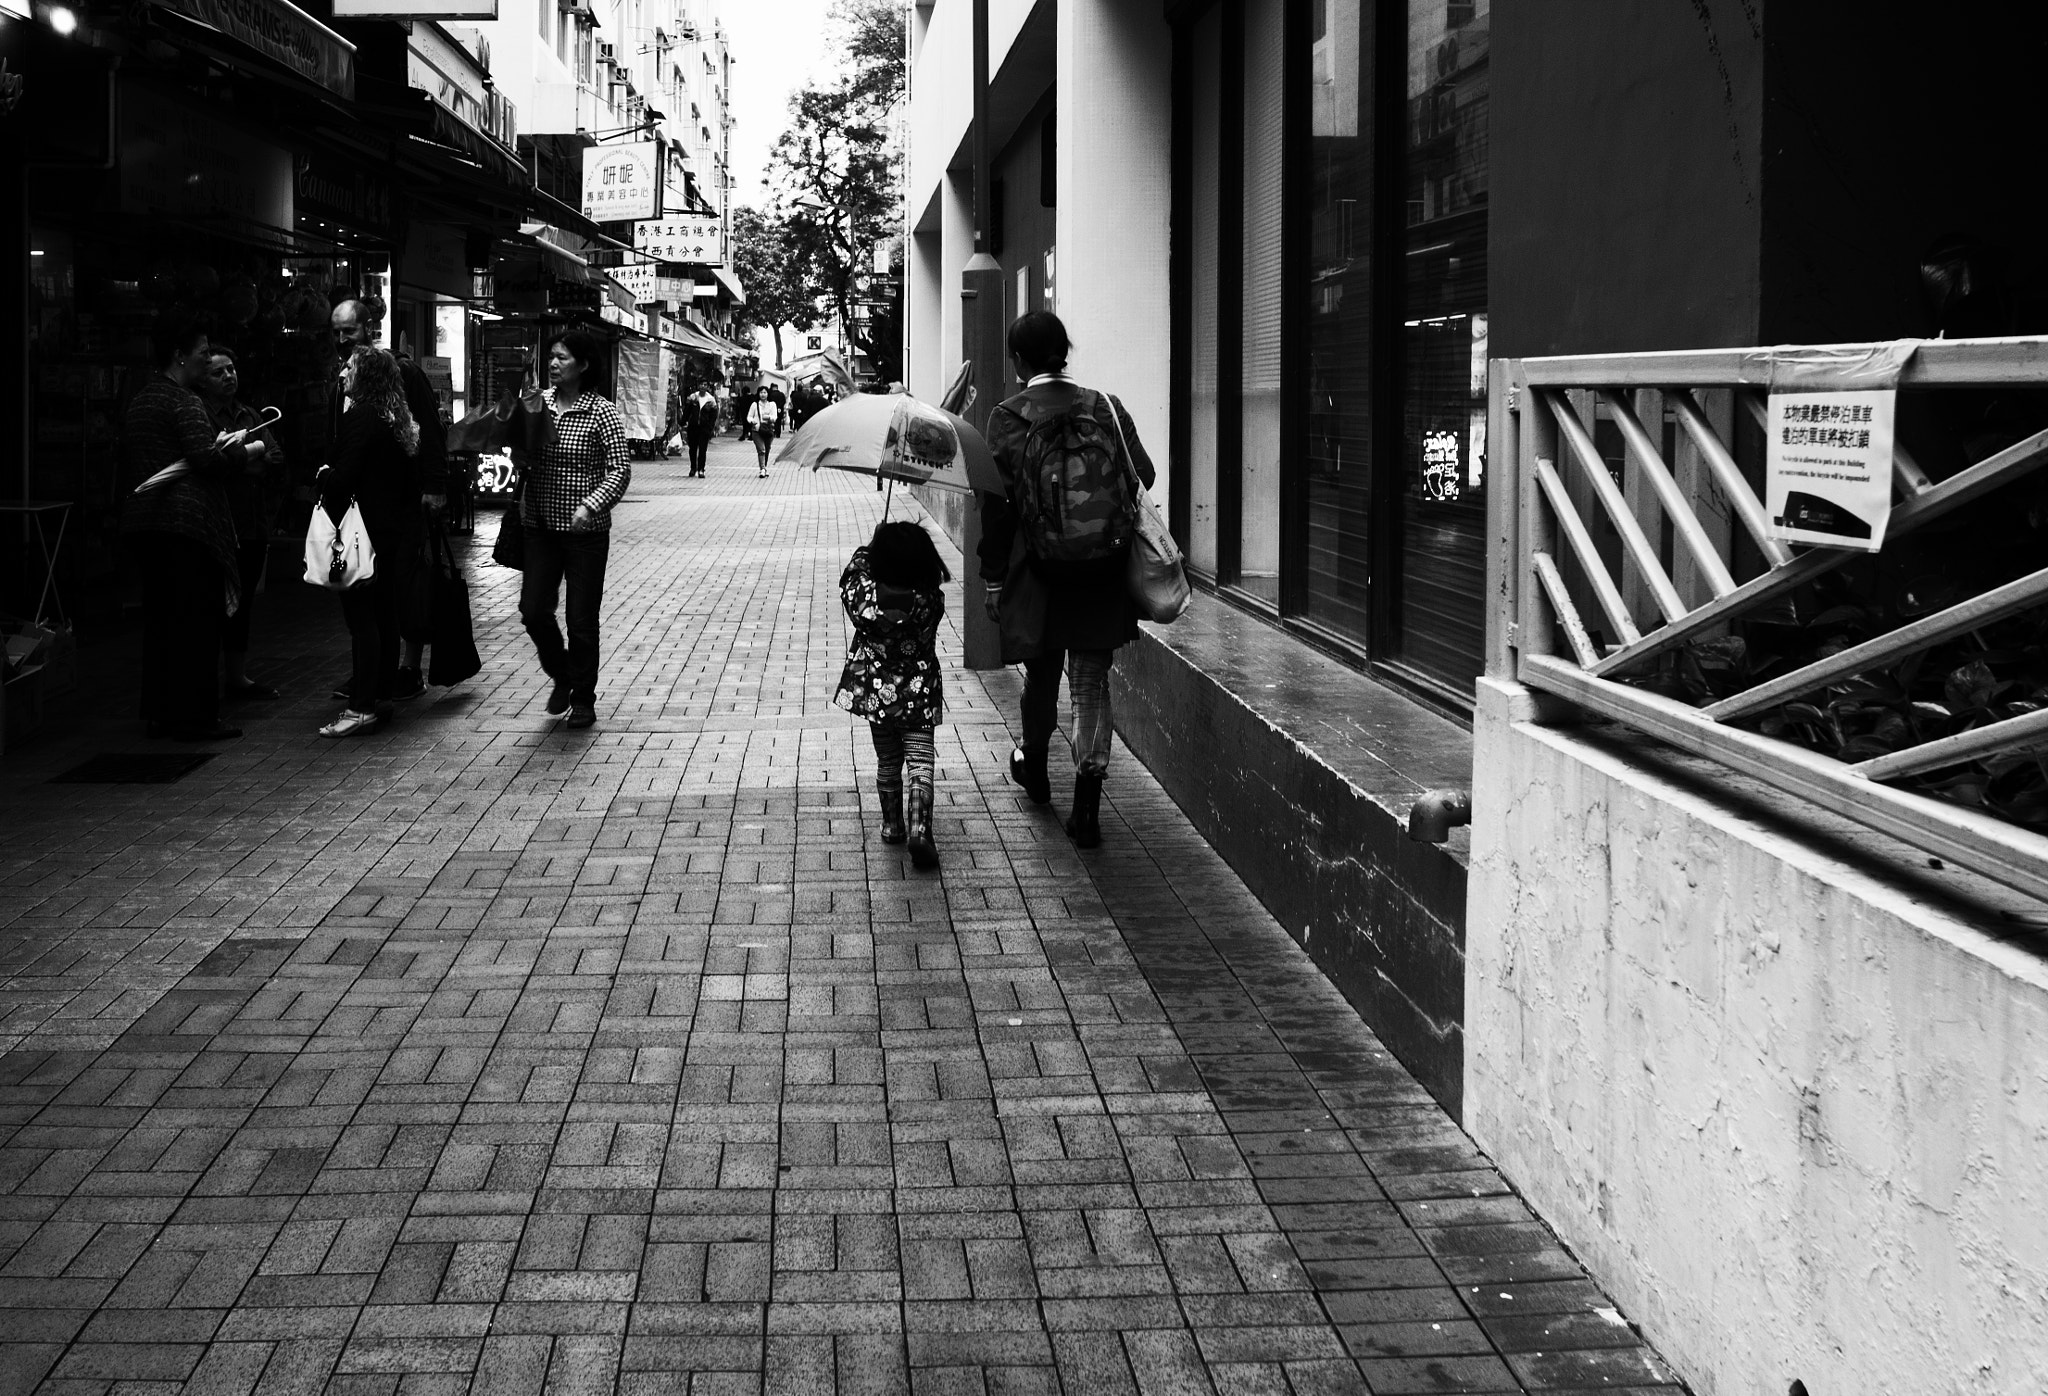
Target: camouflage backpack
[[1073, 490]]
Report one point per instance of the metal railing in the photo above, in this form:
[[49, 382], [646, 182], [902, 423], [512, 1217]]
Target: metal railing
[[1684, 550]]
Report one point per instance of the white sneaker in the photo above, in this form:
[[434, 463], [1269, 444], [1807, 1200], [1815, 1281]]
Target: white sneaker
[[349, 723]]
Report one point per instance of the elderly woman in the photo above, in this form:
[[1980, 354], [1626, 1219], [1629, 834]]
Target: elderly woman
[[375, 466], [251, 501], [572, 443], [180, 534]]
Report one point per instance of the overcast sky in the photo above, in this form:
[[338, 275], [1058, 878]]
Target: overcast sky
[[777, 45]]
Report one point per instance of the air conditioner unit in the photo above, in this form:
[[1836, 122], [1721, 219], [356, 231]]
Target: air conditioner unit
[[605, 52]]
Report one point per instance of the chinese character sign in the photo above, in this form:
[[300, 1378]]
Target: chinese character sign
[[621, 182], [1828, 471], [682, 237]]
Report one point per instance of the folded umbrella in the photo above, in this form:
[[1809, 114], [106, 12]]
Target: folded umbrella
[[896, 437]]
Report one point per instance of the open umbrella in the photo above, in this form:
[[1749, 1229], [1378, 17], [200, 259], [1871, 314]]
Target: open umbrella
[[896, 437]]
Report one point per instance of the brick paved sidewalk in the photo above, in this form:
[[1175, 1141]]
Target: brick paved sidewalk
[[480, 1054]]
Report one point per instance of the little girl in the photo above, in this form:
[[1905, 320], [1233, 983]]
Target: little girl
[[891, 591]]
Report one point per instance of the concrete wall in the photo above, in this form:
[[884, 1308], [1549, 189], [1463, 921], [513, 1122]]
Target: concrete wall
[[1626, 175], [1310, 808], [1788, 1104]]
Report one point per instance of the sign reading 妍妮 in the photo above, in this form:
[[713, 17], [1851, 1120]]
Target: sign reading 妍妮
[[683, 237], [1828, 469], [622, 182]]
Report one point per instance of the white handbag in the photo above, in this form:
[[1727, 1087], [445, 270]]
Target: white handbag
[[339, 556]]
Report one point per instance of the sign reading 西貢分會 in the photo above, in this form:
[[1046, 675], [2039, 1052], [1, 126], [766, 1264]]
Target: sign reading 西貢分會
[[1828, 444], [697, 238], [622, 182]]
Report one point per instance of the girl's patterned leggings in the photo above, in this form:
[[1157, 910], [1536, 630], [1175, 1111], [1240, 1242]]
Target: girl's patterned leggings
[[898, 747]]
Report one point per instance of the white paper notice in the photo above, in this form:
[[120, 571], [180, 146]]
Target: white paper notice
[[1828, 477]]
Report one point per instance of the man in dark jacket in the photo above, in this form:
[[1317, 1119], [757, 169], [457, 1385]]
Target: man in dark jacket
[[700, 424]]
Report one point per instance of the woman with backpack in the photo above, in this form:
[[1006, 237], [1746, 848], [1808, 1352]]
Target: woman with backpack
[[1055, 550]]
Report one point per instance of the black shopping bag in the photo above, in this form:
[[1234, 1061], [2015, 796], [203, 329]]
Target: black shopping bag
[[452, 646]]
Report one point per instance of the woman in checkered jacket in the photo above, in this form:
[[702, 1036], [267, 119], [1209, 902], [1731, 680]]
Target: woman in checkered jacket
[[571, 445]]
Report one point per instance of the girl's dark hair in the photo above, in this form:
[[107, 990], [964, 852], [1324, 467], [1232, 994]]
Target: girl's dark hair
[[1040, 339], [588, 350], [901, 555], [216, 350]]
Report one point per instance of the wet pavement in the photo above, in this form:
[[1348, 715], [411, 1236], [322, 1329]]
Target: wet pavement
[[481, 1054]]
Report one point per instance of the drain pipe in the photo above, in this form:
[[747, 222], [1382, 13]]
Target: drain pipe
[[1431, 818]]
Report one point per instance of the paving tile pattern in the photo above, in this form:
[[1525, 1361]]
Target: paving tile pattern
[[478, 1054]]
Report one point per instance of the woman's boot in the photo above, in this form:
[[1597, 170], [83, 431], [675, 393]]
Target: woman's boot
[[1027, 768], [1084, 825], [892, 815], [923, 852]]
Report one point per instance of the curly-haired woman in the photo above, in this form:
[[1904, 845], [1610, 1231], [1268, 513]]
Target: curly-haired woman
[[375, 466]]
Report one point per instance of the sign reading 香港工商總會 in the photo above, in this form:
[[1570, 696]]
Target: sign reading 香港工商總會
[[622, 183], [697, 238], [1828, 467]]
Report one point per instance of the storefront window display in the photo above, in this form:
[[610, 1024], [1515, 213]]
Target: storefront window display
[[94, 299], [1441, 502]]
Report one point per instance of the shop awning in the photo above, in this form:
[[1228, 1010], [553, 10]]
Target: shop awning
[[731, 284], [690, 337], [282, 33], [549, 209]]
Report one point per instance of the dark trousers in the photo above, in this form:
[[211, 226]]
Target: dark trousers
[[375, 613], [700, 452], [252, 554], [1088, 679], [573, 562], [184, 610]]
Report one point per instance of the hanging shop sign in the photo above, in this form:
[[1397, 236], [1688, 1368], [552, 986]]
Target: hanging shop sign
[[177, 160], [697, 238], [622, 182], [1828, 470], [638, 279], [283, 33], [415, 9], [332, 191], [673, 289]]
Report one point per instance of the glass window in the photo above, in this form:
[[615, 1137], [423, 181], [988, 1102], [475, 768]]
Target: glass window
[[1339, 321], [1205, 301], [1265, 168], [1440, 501]]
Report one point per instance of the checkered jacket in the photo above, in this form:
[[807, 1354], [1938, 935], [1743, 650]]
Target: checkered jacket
[[582, 460]]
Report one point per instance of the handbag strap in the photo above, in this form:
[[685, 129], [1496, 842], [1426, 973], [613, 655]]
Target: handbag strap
[[1116, 419]]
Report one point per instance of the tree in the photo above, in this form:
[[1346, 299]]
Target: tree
[[839, 168], [780, 275]]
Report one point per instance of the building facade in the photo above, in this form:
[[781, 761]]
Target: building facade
[[1733, 1053], [258, 163]]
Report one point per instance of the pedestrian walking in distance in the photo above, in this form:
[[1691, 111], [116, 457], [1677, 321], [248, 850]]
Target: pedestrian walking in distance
[[1054, 553], [764, 421], [700, 424], [891, 590], [376, 466], [572, 443]]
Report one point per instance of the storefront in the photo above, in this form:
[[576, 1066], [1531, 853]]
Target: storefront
[[1330, 309], [196, 216]]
